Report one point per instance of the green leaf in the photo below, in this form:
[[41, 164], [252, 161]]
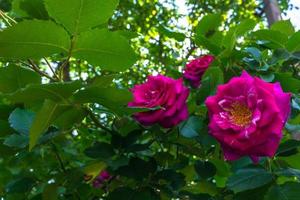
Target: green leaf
[[16, 140], [70, 117], [210, 80], [81, 15], [39, 92], [288, 82], [20, 185], [209, 24], [110, 97], [129, 194], [30, 8], [288, 191], [172, 34], [208, 44], [33, 39], [120, 193], [13, 78], [284, 26], [100, 150], [229, 41], [255, 52], [249, 178], [21, 120], [5, 128], [288, 172], [103, 81], [191, 127], [138, 169], [43, 119], [288, 148], [244, 27], [205, 169], [276, 38], [175, 179], [50, 192], [109, 50], [223, 169], [293, 43]]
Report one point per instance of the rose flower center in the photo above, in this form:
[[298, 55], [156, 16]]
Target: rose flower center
[[240, 114]]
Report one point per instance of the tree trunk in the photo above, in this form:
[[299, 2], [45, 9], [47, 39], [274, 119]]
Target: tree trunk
[[272, 11]]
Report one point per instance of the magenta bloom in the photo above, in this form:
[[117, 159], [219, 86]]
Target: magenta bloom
[[101, 179], [167, 95], [247, 116], [196, 68]]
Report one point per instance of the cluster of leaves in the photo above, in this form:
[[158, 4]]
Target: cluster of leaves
[[58, 131]]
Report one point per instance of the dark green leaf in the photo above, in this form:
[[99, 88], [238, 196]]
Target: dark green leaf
[[100, 150], [103, 81], [121, 193], [191, 127], [175, 179], [58, 92], [21, 120], [138, 168], [283, 26], [277, 38], [254, 52], [109, 50], [30, 8], [249, 178], [81, 15], [288, 148], [43, 119], [293, 43], [20, 185], [33, 39], [172, 34], [208, 24], [13, 78], [210, 80], [288, 172], [110, 97], [245, 26], [50, 192], [288, 191], [205, 169], [70, 117], [16, 140], [288, 82], [208, 44]]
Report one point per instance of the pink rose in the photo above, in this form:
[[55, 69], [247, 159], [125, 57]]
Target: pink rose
[[196, 68], [164, 93], [247, 116], [101, 179]]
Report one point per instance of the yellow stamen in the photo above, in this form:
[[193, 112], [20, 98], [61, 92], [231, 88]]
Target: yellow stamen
[[240, 114]]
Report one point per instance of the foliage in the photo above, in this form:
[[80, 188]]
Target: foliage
[[66, 67]]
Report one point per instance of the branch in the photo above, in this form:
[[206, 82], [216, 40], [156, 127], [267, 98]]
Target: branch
[[52, 70], [96, 121], [36, 69]]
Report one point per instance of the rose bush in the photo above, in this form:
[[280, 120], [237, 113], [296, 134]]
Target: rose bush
[[71, 127]]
